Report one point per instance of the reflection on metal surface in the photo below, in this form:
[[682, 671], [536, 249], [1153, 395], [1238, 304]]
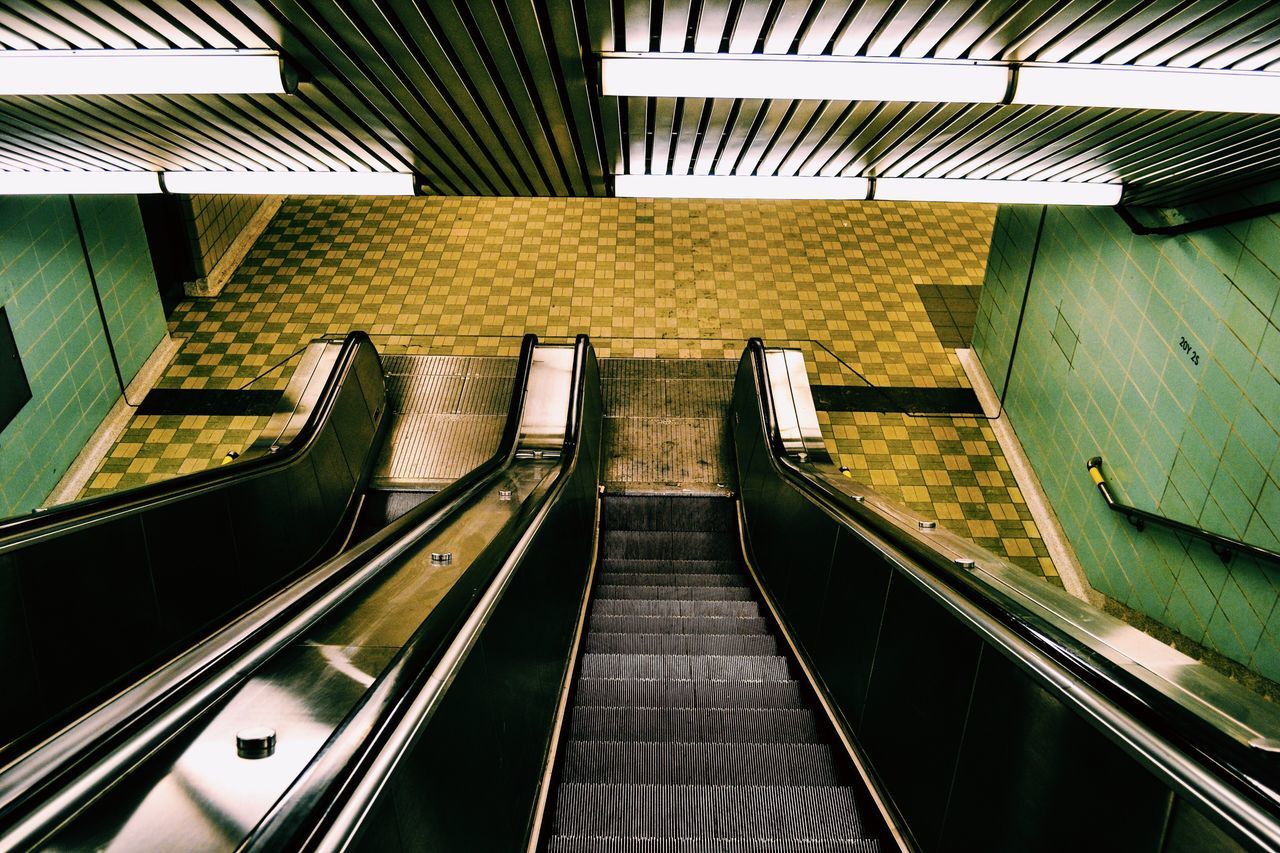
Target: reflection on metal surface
[[1230, 707], [199, 792], [546, 409], [796, 419], [299, 398]]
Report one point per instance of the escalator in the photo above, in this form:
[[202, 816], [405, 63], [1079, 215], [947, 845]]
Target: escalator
[[691, 728], [524, 662]]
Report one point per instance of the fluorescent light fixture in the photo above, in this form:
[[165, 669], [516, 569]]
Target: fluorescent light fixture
[[291, 183], [886, 189], [997, 192], [665, 75], [1148, 88], [78, 183], [733, 186], [142, 72]]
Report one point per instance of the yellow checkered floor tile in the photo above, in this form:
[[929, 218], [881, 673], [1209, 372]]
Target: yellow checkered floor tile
[[646, 278]]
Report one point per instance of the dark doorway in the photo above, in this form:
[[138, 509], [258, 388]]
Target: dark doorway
[[164, 218]]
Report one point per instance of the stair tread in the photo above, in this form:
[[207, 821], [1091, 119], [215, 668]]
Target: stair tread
[[657, 693], [668, 607], [705, 644], [681, 762], [668, 844], [672, 579], [606, 589], [716, 725], [615, 565], [734, 811], [641, 624], [688, 667]]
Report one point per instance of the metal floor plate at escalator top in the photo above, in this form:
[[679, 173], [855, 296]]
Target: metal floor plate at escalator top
[[447, 415], [666, 425], [688, 731]]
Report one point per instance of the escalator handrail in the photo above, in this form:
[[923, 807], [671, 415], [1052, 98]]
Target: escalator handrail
[[324, 808], [52, 777], [1149, 724], [41, 524]]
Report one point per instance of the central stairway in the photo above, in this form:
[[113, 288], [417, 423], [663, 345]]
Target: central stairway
[[688, 731]]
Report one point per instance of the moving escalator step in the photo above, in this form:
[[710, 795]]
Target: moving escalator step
[[702, 763], [682, 644], [607, 624], [669, 607], [688, 732], [716, 567], [683, 725], [687, 667], [667, 545], [776, 812], [607, 589], [651, 693]]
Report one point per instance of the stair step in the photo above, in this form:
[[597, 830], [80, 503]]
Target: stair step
[[632, 844], [678, 624], [649, 693], [666, 607], [682, 644], [696, 725], [661, 512], [687, 667], [668, 545], [672, 579], [708, 811], [701, 763], [607, 589], [707, 567]]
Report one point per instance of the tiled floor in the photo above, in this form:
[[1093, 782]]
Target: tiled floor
[[468, 276]]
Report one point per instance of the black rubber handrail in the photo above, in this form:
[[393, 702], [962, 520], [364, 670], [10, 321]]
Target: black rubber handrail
[[1223, 546], [1254, 774], [103, 735], [43, 523], [312, 806]]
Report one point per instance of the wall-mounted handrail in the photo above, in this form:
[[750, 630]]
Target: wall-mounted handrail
[[1223, 546]]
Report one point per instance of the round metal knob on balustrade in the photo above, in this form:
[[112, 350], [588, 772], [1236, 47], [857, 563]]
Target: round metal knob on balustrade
[[255, 742], [441, 558], [927, 525]]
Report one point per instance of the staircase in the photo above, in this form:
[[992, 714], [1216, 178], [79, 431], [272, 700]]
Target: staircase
[[687, 730]]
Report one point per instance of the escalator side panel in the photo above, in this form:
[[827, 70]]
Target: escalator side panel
[[917, 701], [91, 619], [851, 607], [194, 586], [17, 664], [1074, 771]]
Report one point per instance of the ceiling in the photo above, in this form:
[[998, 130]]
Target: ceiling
[[497, 96]]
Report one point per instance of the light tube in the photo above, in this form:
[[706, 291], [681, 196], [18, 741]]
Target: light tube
[[996, 191], [291, 183], [1148, 88], [142, 72], [734, 186], [716, 75], [885, 189], [78, 183], [658, 75]]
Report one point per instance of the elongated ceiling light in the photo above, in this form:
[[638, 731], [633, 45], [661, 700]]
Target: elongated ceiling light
[[733, 186], [291, 183], [78, 183], [1148, 88], [659, 75], [143, 72], [857, 189], [671, 75]]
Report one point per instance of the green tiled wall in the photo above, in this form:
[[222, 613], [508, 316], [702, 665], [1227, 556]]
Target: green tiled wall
[[44, 284], [1190, 431]]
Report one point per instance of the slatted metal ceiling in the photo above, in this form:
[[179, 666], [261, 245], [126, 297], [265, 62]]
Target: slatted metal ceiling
[[496, 96]]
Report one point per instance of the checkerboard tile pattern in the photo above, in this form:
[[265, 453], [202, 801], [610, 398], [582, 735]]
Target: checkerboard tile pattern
[[646, 278]]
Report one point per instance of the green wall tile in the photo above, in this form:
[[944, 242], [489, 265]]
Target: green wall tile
[[1195, 441]]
